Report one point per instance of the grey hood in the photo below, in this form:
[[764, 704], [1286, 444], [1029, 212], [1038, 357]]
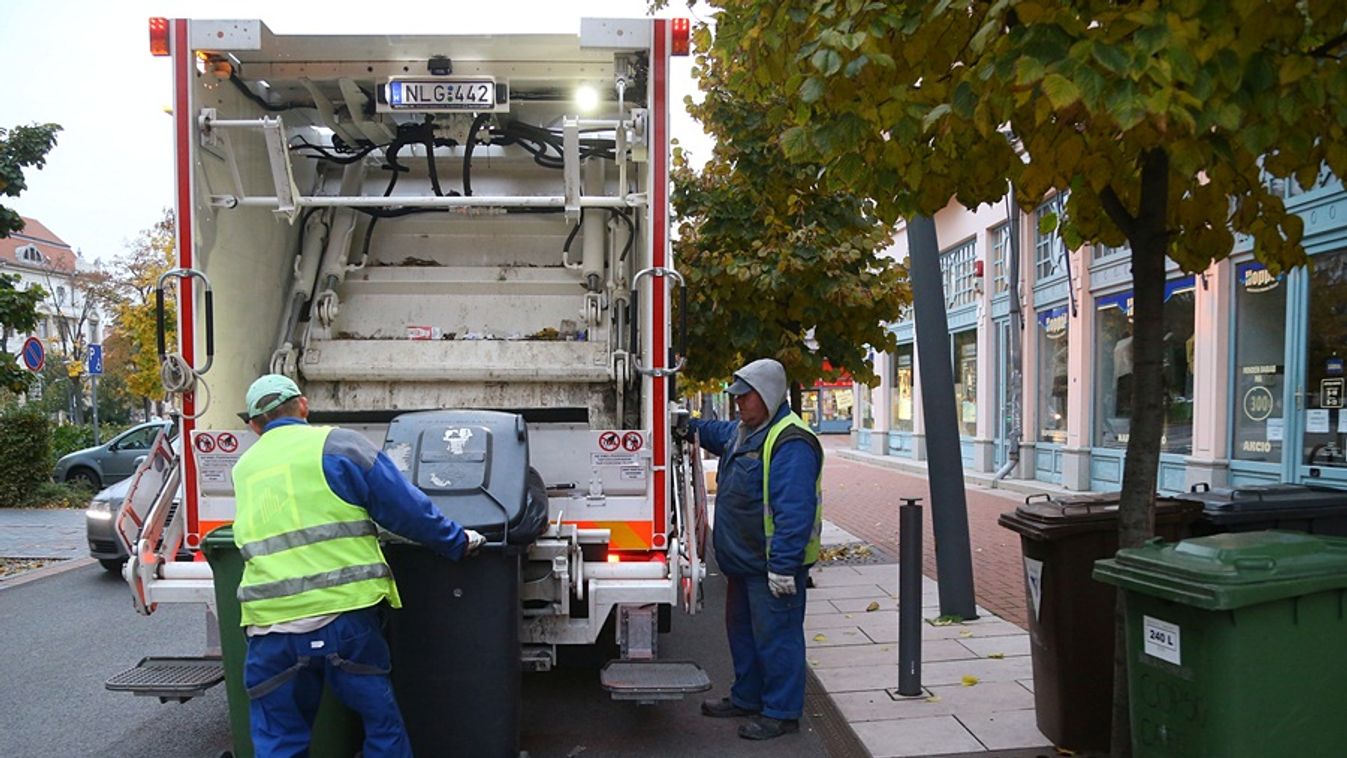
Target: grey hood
[[768, 378]]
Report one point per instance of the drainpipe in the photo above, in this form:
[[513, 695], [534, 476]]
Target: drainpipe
[[1014, 343]]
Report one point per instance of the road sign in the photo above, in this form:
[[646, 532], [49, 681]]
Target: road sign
[[34, 354], [95, 359]]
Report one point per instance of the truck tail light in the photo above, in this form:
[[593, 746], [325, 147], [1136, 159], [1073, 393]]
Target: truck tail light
[[681, 43], [159, 36]]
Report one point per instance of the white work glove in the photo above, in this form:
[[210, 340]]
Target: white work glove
[[780, 584], [475, 540]]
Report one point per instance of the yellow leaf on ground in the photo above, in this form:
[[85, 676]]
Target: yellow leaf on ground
[[820, 638], [997, 656], [873, 606], [1064, 751], [965, 633], [933, 699], [969, 680]]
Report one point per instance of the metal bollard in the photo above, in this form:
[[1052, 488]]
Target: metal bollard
[[909, 597]]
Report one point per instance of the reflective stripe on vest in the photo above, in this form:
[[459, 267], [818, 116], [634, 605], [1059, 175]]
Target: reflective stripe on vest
[[306, 551], [811, 549]]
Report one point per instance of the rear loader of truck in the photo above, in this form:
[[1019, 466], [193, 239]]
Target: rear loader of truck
[[459, 246]]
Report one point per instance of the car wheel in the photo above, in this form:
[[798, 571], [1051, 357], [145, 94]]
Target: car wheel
[[112, 565], [84, 477]]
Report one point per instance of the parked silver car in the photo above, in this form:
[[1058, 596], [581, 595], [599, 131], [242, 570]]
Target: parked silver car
[[109, 463]]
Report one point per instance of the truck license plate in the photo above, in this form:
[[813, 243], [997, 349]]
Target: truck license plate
[[441, 94]]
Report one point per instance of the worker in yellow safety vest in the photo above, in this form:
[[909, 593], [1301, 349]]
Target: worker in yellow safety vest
[[308, 499]]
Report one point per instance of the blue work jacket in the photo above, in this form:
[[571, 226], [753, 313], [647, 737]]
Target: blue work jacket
[[739, 537]]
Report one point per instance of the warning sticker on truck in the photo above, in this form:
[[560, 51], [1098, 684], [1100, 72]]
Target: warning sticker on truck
[[216, 454], [614, 459]]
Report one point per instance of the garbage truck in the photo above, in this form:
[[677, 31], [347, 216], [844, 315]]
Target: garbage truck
[[458, 246]]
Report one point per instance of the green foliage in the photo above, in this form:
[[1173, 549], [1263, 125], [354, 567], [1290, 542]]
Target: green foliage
[[21, 147], [137, 273], [772, 258], [67, 438], [59, 495], [26, 464], [18, 315], [1225, 91]]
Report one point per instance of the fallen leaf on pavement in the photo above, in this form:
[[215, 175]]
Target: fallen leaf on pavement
[[965, 634], [997, 656], [969, 680], [873, 606], [820, 638], [933, 699]]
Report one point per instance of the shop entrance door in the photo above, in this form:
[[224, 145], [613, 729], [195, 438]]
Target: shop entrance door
[[1001, 421], [1318, 373]]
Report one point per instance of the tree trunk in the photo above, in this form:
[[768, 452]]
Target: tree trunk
[[1136, 512], [796, 398], [77, 401]]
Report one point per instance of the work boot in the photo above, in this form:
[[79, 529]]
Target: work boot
[[765, 728], [724, 708]]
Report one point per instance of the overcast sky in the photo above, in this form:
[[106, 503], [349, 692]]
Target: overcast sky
[[85, 64]]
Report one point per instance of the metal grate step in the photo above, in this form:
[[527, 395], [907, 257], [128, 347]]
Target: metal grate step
[[169, 678], [653, 680]]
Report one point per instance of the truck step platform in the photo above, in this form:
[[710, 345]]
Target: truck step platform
[[168, 678], [648, 681]]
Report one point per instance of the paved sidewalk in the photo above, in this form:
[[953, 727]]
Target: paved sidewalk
[[977, 678], [42, 533], [861, 495]]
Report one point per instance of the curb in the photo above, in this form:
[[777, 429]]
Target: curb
[[60, 567]]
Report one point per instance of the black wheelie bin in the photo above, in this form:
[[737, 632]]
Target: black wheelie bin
[[455, 641], [1071, 616], [1290, 507]]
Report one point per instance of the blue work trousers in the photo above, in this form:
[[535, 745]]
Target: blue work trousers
[[284, 674], [767, 645]]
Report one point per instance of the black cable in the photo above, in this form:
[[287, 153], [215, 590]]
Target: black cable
[[631, 232], [467, 152], [566, 248]]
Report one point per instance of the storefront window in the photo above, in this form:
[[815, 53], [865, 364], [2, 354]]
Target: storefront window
[[957, 269], [966, 380], [837, 403], [865, 405], [1052, 373], [1324, 418], [1260, 346], [1113, 362], [1180, 321], [809, 407], [902, 388]]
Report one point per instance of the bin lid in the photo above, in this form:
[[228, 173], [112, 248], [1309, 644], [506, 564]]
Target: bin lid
[[1270, 497], [220, 537], [1052, 517], [1234, 570]]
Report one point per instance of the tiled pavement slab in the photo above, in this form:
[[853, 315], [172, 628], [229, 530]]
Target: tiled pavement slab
[[977, 692]]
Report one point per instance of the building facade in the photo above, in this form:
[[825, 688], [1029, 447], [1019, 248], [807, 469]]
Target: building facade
[[1254, 363], [40, 258]]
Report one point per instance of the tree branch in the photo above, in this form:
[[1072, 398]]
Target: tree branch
[[1115, 209], [1323, 50]]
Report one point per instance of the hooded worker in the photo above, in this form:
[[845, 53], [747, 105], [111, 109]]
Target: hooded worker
[[768, 518]]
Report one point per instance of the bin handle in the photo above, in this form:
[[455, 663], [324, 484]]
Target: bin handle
[[1030, 498], [1256, 563], [1205, 487]]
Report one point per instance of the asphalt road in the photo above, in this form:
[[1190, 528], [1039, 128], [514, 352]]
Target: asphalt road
[[65, 634]]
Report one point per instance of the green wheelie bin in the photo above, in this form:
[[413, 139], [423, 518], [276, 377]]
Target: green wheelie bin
[[337, 731], [1235, 644]]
